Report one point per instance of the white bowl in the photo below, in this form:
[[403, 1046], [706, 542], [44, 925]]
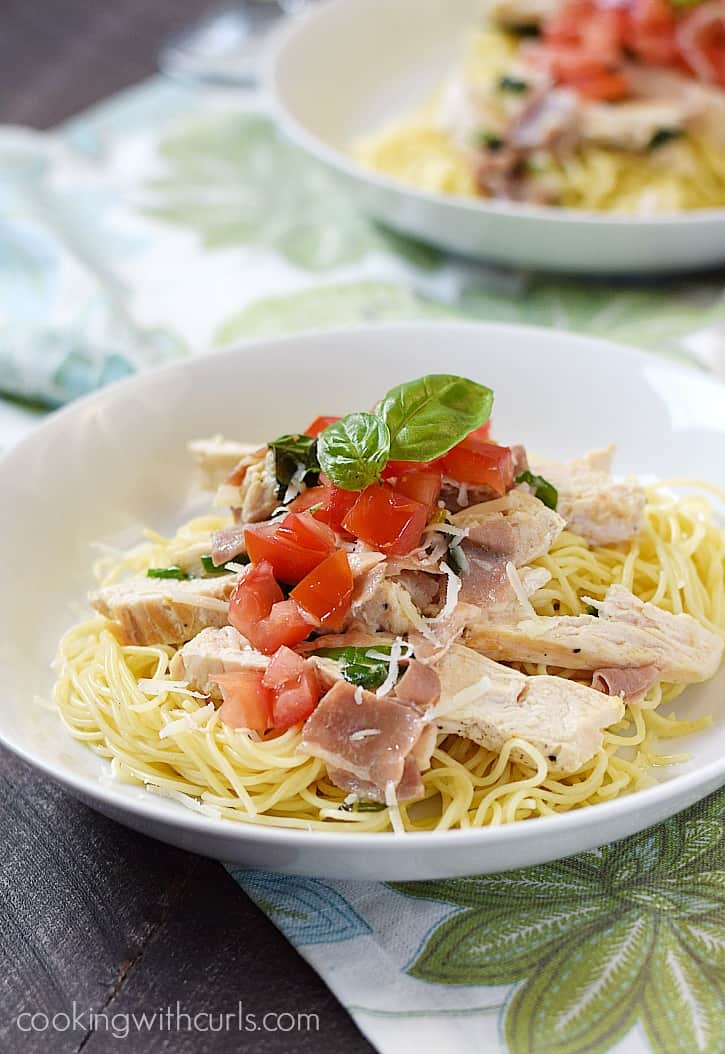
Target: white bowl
[[116, 460], [347, 66]]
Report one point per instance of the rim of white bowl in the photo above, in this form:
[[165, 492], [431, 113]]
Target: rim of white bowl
[[270, 62], [181, 818]]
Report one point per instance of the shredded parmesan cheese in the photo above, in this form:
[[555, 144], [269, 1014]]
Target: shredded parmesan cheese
[[358, 694], [188, 722], [467, 695], [238, 569], [518, 588], [453, 588], [396, 652], [393, 808], [157, 686], [295, 485], [364, 733], [185, 799]]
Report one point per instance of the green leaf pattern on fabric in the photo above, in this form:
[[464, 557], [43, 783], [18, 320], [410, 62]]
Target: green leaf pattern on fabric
[[632, 932]]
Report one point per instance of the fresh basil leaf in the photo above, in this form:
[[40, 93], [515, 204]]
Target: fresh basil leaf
[[428, 416], [220, 569], [290, 452], [543, 490], [591, 610], [357, 667], [167, 572], [354, 451], [513, 84]]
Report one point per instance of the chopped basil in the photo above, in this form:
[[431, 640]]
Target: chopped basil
[[219, 569], [513, 84], [428, 416], [488, 141], [362, 806], [543, 490], [662, 136], [524, 29], [454, 555], [291, 452], [167, 572], [357, 667], [591, 610], [354, 451]]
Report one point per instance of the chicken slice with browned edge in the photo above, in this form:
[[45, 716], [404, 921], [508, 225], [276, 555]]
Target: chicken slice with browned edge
[[517, 527], [159, 611], [491, 704], [628, 634], [211, 652], [593, 505]]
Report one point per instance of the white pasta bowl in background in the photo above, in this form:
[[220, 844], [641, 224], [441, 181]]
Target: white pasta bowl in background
[[376, 60], [117, 460]]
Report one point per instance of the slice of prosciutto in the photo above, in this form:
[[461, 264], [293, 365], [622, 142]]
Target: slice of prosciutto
[[228, 543], [630, 684], [366, 742]]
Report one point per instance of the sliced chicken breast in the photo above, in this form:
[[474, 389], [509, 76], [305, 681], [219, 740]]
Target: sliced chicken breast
[[517, 527], [160, 611], [491, 704], [211, 652], [628, 634], [217, 457], [252, 489], [601, 511]]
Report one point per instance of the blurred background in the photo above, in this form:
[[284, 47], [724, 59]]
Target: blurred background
[[57, 58]]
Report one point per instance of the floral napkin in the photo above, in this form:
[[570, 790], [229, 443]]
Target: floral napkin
[[171, 220]]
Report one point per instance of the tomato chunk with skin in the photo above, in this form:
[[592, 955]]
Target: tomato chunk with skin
[[293, 546], [285, 625], [295, 701], [479, 463], [423, 485], [253, 597], [326, 592], [387, 520], [319, 425], [258, 610], [248, 703], [286, 666], [309, 497]]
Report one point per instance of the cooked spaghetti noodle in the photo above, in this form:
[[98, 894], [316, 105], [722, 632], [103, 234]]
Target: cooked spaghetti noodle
[[173, 742], [434, 149]]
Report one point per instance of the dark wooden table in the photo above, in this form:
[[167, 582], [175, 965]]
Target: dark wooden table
[[92, 914]]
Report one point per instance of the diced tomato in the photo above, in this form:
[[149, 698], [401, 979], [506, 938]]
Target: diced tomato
[[603, 87], [285, 625], [338, 505], [293, 546], [295, 701], [295, 686], [258, 610], [286, 665], [476, 462], [319, 425], [310, 496], [325, 592], [423, 485], [394, 469], [390, 522], [484, 432], [253, 597], [247, 702]]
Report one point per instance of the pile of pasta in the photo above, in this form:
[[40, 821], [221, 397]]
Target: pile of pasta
[[173, 743]]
